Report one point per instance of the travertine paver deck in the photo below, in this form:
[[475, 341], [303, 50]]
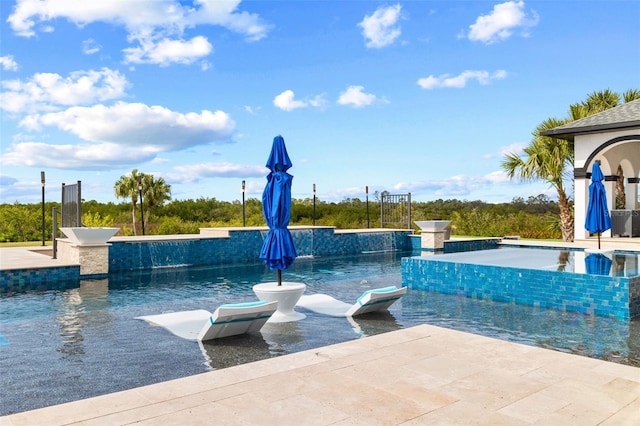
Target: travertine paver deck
[[28, 257], [420, 375]]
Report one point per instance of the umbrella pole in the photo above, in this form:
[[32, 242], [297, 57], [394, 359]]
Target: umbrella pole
[[279, 276], [598, 241]]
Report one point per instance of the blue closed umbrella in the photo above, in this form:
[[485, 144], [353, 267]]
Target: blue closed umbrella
[[598, 219], [278, 251]]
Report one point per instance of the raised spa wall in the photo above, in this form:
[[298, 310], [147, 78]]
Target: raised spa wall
[[601, 295]]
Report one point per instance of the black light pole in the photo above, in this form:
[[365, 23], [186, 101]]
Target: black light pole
[[42, 181], [366, 189], [314, 204], [141, 203], [244, 221]]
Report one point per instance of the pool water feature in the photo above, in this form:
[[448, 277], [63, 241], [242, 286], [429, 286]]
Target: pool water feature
[[567, 280], [77, 339]]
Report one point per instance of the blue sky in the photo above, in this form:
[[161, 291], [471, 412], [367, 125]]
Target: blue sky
[[412, 96]]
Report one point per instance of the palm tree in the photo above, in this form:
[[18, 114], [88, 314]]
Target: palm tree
[[596, 102], [548, 159], [631, 95], [127, 187], [154, 192]]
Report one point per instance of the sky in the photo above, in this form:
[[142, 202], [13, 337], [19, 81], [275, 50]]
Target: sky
[[412, 96]]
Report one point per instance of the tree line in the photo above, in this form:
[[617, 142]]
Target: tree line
[[535, 217]]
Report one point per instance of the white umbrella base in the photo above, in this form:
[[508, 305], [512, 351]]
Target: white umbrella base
[[287, 295]]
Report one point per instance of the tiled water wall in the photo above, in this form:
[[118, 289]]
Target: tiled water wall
[[243, 246], [22, 280], [607, 296], [457, 245]]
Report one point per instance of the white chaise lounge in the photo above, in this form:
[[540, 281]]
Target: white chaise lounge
[[376, 299], [237, 318], [227, 320]]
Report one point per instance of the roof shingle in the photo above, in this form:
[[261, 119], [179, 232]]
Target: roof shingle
[[621, 117]]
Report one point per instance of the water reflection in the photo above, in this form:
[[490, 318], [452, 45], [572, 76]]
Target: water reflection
[[374, 323], [234, 350], [283, 334], [597, 264], [589, 335], [625, 265], [78, 309], [563, 259], [69, 319]]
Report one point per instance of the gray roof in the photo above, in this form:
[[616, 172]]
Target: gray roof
[[621, 117]]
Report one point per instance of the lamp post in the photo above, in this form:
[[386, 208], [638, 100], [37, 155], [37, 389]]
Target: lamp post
[[366, 189], [42, 181], [314, 204], [244, 220], [141, 203]]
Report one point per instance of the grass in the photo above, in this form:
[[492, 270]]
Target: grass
[[25, 244]]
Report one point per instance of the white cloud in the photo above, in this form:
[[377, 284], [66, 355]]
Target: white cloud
[[379, 28], [155, 25], [89, 47], [224, 13], [191, 173], [318, 102], [136, 124], [285, 101], [166, 51], [12, 190], [496, 177], [460, 81], [7, 180], [454, 186], [500, 24], [8, 63], [76, 157], [355, 96], [514, 148], [49, 91], [137, 15], [121, 135]]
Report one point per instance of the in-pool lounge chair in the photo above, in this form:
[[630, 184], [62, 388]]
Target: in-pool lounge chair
[[376, 299], [237, 318]]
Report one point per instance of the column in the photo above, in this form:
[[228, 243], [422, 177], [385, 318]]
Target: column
[[610, 188], [581, 191], [631, 193], [92, 258]]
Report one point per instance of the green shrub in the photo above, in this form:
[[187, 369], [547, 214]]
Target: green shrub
[[174, 225], [95, 220]]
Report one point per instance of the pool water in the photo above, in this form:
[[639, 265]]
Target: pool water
[[75, 340], [618, 264]]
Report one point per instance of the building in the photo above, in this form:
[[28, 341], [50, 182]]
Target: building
[[611, 137]]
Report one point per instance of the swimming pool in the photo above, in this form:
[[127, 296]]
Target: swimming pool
[[78, 339]]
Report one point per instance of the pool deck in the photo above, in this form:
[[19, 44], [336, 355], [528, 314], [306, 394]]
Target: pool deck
[[418, 375]]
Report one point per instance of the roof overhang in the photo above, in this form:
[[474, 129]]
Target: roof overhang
[[568, 133]]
